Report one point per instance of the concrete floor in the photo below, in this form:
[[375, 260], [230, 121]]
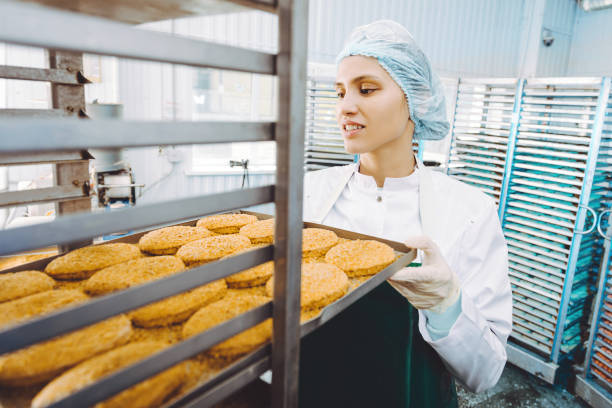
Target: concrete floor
[[517, 388]]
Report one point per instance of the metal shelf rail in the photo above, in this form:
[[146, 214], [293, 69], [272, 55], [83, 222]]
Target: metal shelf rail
[[595, 383], [33, 25], [324, 145], [480, 133], [71, 171], [537, 155]]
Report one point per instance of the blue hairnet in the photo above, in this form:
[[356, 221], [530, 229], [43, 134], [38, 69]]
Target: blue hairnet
[[397, 52]]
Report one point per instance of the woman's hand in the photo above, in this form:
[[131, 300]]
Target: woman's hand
[[432, 286]]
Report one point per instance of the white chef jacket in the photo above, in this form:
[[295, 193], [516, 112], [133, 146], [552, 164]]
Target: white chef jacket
[[389, 212], [464, 224]]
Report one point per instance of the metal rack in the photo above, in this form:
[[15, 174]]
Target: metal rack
[[595, 383], [78, 33], [538, 158], [71, 169], [324, 145], [481, 131]]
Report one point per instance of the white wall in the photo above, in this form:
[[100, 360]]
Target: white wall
[[559, 19], [461, 38], [591, 49]]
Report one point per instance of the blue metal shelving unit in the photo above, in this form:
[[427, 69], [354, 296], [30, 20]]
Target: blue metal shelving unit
[[595, 384], [539, 147]]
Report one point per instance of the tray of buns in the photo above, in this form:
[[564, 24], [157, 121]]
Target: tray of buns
[[338, 267]]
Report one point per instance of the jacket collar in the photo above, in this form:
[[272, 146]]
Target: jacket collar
[[434, 209]]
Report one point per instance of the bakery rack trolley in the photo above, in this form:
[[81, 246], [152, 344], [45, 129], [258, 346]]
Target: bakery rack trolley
[[105, 32], [71, 169], [538, 147], [594, 384]]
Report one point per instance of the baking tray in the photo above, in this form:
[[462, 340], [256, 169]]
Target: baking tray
[[257, 361]]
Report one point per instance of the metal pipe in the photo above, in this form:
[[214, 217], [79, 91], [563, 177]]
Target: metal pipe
[[291, 68], [84, 226], [37, 26], [68, 134]]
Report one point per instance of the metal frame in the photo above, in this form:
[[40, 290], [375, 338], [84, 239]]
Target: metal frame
[[532, 363], [591, 385], [89, 34], [598, 308], [324, 145], [291, 68], [518, 98], [553, 130], [593, 394], [585, 197], [36, 26], [479, 148]]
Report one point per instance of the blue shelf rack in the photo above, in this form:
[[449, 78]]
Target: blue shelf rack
[[541, 148]]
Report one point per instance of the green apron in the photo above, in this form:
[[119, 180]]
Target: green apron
[[372, 355]]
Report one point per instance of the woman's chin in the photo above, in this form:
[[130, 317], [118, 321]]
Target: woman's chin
[[354, 147]]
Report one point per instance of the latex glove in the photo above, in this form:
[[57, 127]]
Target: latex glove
[[432, 286]]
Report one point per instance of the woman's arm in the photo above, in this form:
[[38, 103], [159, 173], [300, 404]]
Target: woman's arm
[[474, 349]]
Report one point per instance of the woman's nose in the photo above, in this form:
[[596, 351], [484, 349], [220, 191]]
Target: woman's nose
[[347, 105]]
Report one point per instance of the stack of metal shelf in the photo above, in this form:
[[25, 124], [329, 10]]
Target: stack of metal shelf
[[71, 189], [58, 29], [481, 128], [538, 159], [324, 146], [551, 190], [595, 383]]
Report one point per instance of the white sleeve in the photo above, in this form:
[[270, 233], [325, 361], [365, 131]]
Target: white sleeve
[[475, 348]]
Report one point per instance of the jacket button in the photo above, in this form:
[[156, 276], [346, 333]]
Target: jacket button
[[379, 199]]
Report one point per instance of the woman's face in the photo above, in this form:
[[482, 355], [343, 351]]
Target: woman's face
[[372, 111]]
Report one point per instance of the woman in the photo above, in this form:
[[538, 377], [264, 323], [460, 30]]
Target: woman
[[453, 313]]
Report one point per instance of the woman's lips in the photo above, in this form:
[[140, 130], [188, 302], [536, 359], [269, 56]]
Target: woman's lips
[[349, 134]]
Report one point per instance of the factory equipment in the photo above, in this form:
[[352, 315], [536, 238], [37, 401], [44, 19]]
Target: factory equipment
[[244, 164], [113, 178], [537, 147], [77, 33]]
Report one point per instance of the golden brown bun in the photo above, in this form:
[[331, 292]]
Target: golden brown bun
[[43, 361], [180, 307], [166, 241], [83, 262], [227, 308], [255, 276], [226, 223], [20, 284], [132, 273], [149, 393], [37, 304], [321, 285], [317, 241], [260, 232], [210, 249], [249, 278], [361, 258]]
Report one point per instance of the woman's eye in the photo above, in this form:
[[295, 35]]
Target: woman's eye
[[340, 94], [366, 91]]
